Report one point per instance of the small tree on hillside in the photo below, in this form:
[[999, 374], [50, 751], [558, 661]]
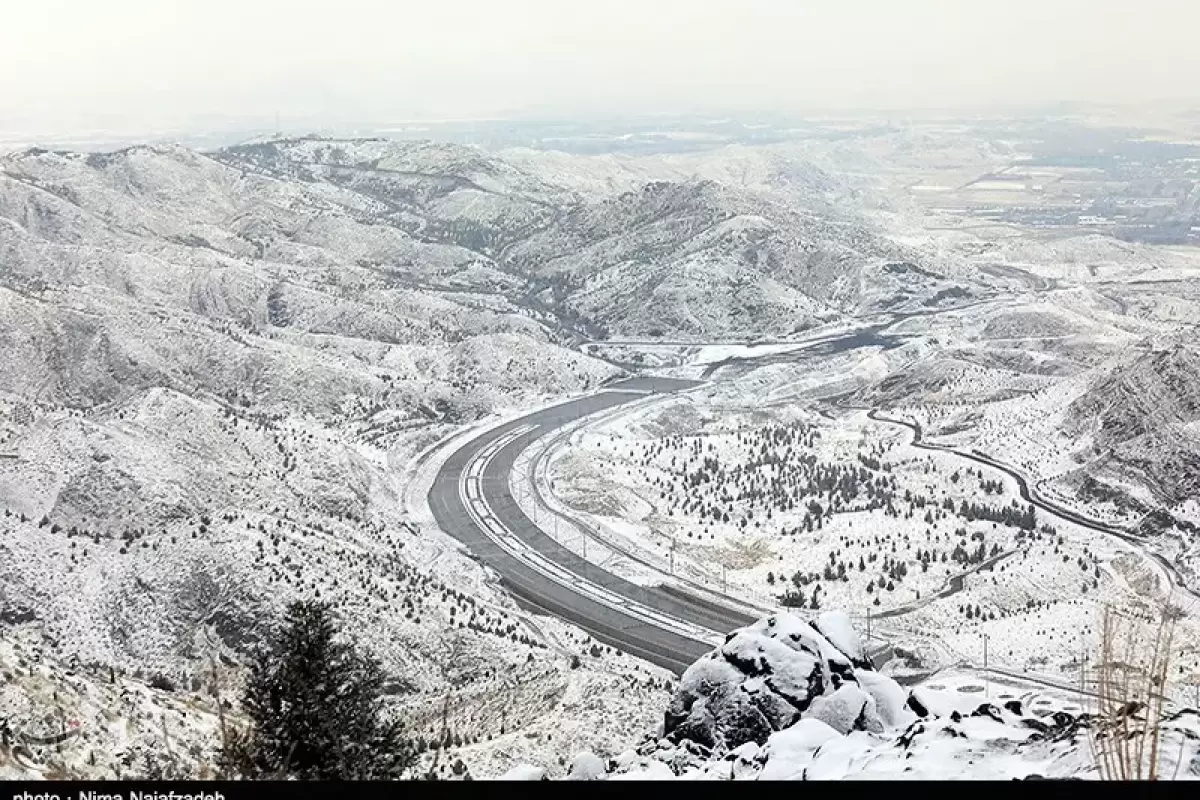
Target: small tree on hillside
[[316, 707]]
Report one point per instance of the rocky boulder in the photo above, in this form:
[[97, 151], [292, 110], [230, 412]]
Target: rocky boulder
[[769, 675]]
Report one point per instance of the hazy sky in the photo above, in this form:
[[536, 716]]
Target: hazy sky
[[71, 63]]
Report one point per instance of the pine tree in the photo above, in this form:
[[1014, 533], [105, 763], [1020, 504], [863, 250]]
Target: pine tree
[[793, 598], [316, 707]]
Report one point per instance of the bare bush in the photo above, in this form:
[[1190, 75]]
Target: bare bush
[[1135, 657]]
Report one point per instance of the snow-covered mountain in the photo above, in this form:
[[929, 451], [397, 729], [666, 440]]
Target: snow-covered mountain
[[757, 245], [697, 258], [214, 385], [219, 373]]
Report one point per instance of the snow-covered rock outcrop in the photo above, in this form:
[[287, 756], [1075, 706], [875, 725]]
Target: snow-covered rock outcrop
[[786, 699], [765, 677]]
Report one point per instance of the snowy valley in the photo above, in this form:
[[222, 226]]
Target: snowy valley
[[880, 469]]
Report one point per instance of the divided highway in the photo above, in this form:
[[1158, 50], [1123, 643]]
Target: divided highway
[[471, 500]]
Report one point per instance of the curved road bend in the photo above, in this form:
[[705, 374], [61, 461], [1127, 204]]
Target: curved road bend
[[630, 633], [953, 585], [567, 600], [688, 589], [1029, 495]]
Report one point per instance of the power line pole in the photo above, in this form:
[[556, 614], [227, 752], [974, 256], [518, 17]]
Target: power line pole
[[987, 685], [1082, 667]]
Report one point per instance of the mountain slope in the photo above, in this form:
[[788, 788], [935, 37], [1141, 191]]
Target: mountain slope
[[205, 374], [769, 246], [217, 370], [1143, 419]]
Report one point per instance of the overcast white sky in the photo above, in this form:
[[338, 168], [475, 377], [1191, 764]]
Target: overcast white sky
[[82, 62]]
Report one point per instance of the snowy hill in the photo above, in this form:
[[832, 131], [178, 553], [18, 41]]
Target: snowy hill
[[212, 382], [216, 370], [221, 375], [1142, 417], [741, 244], [710, 260]]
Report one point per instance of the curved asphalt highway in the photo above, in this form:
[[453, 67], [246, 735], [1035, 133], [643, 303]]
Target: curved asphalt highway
[[622, 623], [471, 500]]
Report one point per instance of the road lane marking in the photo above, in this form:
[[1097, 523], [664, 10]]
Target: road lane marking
[[484, 517]]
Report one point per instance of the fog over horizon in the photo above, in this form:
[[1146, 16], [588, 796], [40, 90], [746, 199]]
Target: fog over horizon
[[68, 64]]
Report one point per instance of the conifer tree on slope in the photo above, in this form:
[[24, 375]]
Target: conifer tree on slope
[[316, 707]]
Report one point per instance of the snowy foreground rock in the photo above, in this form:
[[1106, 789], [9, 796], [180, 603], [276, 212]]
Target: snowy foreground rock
[[786, 699]]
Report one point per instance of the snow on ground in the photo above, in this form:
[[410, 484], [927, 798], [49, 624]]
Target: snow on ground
[[226, 388], [786, 698], [596, 704], [337, 527], [82, 721], [727, 482]]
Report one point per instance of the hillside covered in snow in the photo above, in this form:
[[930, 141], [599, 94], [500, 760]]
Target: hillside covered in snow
[[229, 378], [221, 375], [215, 386]]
